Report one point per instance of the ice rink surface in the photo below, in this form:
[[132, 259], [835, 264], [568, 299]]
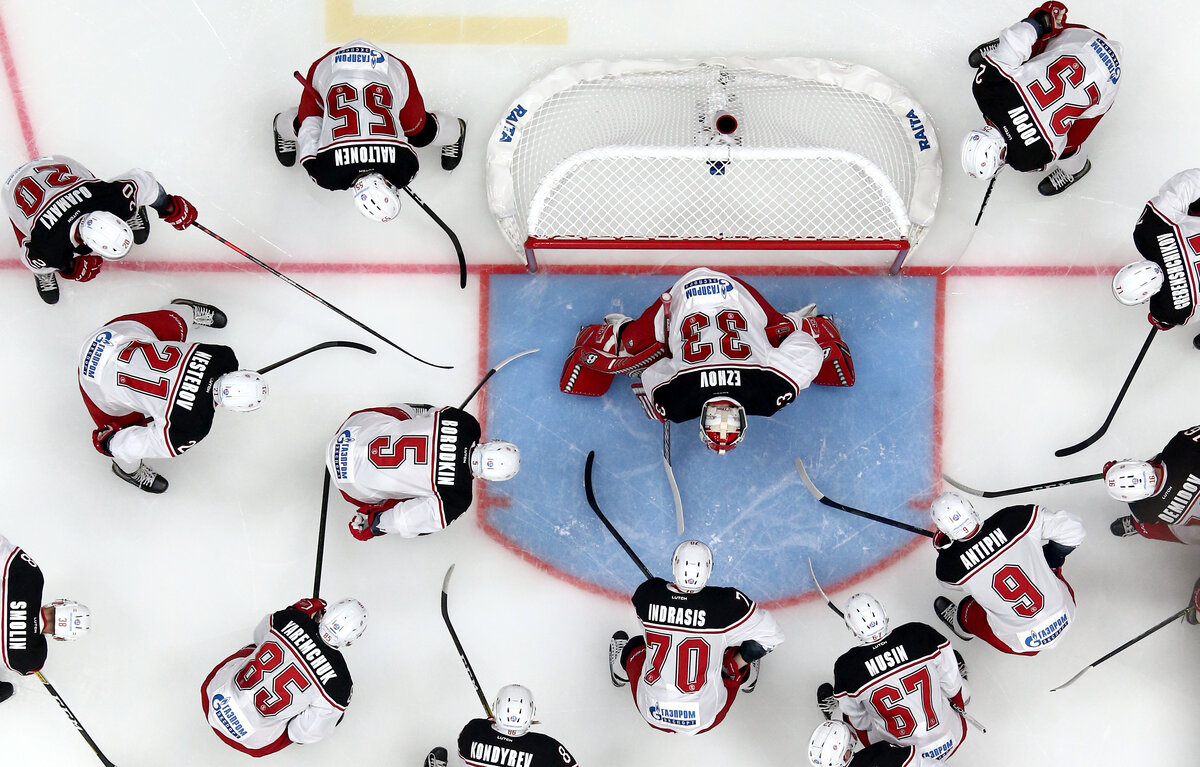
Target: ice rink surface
[[1032, 350]]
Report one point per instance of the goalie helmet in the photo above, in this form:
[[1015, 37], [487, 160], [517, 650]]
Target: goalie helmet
[[722, 424], [983, 152], [71, 619], [955, 516], [832, 744], [375, 198], [343, 623], [513, 710], [495, 461], [1135, 283], [1131, 481], [240, 391], [691, 564], [107, 235], [866, 618]]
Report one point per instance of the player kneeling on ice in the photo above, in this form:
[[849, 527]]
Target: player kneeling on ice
[[152, 394], [833, 743], [1168, 237], [409, 468], [359, 118], [24, 627], [506, 739], [903, 686], [69, 222], [1011, 568], [712, 348], [700, 645], [1042, 87], [1161, 492], [291, 685]]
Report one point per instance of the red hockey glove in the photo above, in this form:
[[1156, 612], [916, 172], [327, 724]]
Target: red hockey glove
[[311, 607], [180, 213], [365, 524], [957, 701], [1051, 16], [730, 669], [102, 436], [1161, 325], [1195, 605], [86, 268]]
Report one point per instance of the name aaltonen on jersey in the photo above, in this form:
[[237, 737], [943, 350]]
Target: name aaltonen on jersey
[[355, 155]]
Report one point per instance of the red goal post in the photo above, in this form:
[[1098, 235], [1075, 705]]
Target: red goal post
[[722, 154]]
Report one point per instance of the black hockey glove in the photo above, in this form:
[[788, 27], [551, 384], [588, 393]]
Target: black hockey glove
[[1056, 553]]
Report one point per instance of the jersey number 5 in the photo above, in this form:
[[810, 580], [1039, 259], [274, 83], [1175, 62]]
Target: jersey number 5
[[275, 695], [386, 454]]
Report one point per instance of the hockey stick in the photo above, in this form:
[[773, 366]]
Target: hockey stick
[[1120, 396], [1019, 490], [462, 654], [978, 216], [491, 373], [317, 348], [75, 721], [462, 259], [850, 509], [970, 719], [671, 476], [1133, 641], [821, 591], [591, 499], [321, 537], [312, 295]]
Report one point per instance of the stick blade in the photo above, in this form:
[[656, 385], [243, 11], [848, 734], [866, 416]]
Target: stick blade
[[1071, 681], [808, 483], [507, 360], [1063, 452], [446, 581], [960, 486]]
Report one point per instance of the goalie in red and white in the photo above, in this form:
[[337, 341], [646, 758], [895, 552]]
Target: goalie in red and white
[[1042, 87], [711, 348], [359, 119]]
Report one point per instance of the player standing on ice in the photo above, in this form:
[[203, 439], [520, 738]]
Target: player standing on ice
[[1168, 237], [23, 625], [359, 118], [711, 348], [832, 744], [903, 686], [69, 222], [700, 644], [1011, 568], [409, 468], [1161, 493], [152, 394], [1042, 88], [291, 685], [507, 740]]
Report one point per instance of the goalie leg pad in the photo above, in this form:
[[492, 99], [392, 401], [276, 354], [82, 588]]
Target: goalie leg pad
[[838, 367]]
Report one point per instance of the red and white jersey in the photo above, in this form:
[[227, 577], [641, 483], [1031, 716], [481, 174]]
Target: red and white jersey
[[1074, 77], [1003, 568], [717, 339], [288, 687], [360, 93]]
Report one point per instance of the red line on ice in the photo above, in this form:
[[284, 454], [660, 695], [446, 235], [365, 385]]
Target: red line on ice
[[14, 88]]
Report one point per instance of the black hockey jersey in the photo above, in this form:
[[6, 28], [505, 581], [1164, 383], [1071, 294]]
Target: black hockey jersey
[[479, 745], [1156, 239], [323, 664], [1175, 502], [24, 643], [886, 755], [762, 391], [1001, 102]]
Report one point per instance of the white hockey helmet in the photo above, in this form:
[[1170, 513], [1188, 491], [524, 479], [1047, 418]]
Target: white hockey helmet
[[240, 391], [107, 235], [691, 565], [1131, 481], [832, 744], [1136, 283], [722, 424], [71, 619], [955, 516], [343, 623], [495, 461], [375, 198], [983, 152], [866, 618], [513, 710]]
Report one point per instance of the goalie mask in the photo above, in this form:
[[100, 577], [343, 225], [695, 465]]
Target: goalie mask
[[722, 424]]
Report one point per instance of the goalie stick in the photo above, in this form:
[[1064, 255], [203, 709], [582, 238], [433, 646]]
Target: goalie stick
[[1018, 490], [317, 348], [671, 477], [462, 654], [1133, 641], [74, 720], [491, 372], [591, 499], [808, 483]]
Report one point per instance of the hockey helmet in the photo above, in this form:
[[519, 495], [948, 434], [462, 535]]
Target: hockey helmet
[[240, 391], [513, 710], [722, 424], [1131, 481], [105, 234], [832, 744], [983, 152], [1136, 283], [495, 461], [343, 623], [375, 198], [955, 516], [71, 619], [866, 618], [691, 565]]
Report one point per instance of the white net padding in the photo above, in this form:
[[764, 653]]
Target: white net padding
[[613, 152]]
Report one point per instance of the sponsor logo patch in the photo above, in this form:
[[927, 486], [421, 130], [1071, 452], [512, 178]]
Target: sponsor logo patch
[[509, 129], [222, 709], [95, 353], [361, 54], [341, 455]]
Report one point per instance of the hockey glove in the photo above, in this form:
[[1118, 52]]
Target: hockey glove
[[311, 607], [102, 437], [1055, 554], [1050, 16], [365, 524], [179, 213], [1160, 324], [86, 268]]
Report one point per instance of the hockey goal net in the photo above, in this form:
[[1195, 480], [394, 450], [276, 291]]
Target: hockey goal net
[[746, 154]]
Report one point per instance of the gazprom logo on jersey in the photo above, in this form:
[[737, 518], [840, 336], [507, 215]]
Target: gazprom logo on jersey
[[676, 716], [359, 54], [95, 352], [341, 455], [225, 715], [937, 752], [1109, 57], [1048, 634], [707, 286]]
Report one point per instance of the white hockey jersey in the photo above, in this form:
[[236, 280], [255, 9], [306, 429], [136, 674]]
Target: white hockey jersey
[[1003, 568], [716, 335]]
